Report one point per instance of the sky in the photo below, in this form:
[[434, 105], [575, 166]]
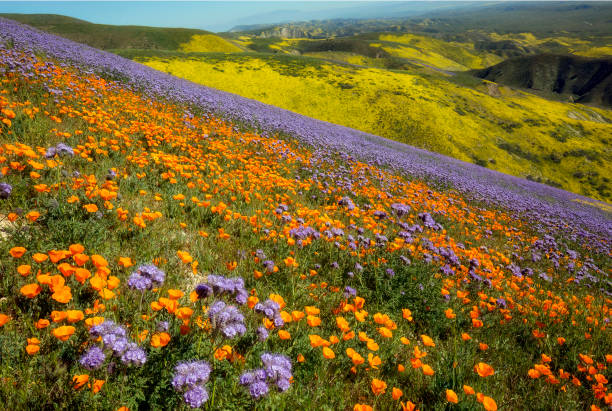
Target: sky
[[216, 15]]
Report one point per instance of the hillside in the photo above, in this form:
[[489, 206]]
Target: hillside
[[559, 143], [167, 245], [584, 80], [108, 37], [360, 81]]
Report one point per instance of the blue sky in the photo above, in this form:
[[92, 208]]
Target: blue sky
[[216, 15]]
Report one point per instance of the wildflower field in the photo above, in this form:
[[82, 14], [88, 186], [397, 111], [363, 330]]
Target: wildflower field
[[169, 246], [515, 132]]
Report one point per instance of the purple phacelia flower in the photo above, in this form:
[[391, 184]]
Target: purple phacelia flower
[[262, 333], [139, 282], [5, 190], [195, 397], [93, 358], [133, 355], [226, 319]]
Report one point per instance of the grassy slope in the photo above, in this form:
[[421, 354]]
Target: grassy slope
[[515, 132], [107, 37], [507, 132], [163, 163]]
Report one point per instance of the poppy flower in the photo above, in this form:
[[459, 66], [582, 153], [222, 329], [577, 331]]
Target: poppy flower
[[183, 313], [80, 380], [31, 290], [62, 295], [90, 208], [427, 341], [4, 319], [99, 261], [40, 258], [32, 216], [64, 332], [106, 294], [427, 370], [328, 353], [408, 406], [160, 339], [175, 294], [42, 323], [313, 321], [489, 404], [396, 393], [73, 316], [374, 361], [125, 262], [468, 390], [17, 252], [451, 396], [32, 349], [484, 370], [24, 270], [97, 386], [80, 259], [284, 335], [378, 386], [184, 256]]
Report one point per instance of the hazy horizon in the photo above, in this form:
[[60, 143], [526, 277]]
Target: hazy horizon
[[222, 15]]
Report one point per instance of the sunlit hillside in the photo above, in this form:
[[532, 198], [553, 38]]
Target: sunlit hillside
[[170, 246], [511, 131], [109, 37]]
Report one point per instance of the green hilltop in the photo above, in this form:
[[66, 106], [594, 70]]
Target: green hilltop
[[110, 37]]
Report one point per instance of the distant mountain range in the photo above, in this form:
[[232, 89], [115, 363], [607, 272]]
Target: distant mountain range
[[568, 17]]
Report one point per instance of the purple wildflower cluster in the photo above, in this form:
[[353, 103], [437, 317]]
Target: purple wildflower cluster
[[276, 371], [61, 149], [5, 190], [303, 232], [271, 310], [190, 378], [114, 339], [226, 319], [400, 209], [145, 276], [218, 286]]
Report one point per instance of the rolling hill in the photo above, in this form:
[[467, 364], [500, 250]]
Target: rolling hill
[[166, 245], [400, 86], [582, 79], [108, 37]]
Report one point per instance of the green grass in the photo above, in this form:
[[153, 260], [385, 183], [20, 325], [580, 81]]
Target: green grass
[[105, 36], [158, 156]]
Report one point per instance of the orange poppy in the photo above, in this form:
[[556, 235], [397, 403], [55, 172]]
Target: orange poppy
[[378, 386], [451, 396], [160, 339], [64, 332], [484, 370], [17, 252], [31, 290]]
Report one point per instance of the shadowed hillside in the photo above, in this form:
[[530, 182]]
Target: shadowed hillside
[[584, 80]]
